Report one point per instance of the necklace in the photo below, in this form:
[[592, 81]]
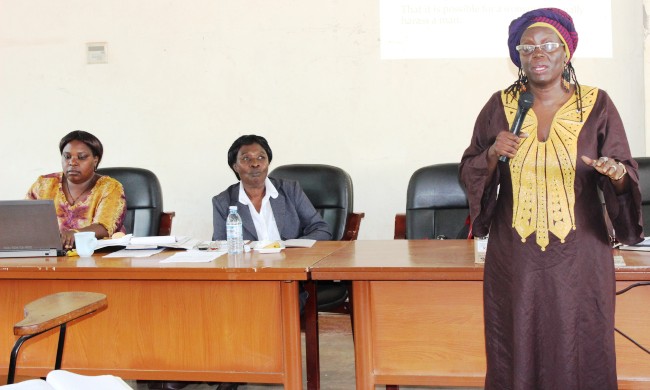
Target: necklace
[[74, 199]]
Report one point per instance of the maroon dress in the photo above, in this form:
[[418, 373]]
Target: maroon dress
[[549, 284]]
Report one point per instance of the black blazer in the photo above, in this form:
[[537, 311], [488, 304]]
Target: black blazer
[[294, 214]]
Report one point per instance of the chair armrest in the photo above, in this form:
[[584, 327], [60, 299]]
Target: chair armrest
[[400, 226], [352, 226], [165, 228]]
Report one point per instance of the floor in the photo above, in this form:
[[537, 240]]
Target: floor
[[337, 360]]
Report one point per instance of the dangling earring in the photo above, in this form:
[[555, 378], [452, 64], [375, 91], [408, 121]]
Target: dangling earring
[[566, 78], [522, 80]]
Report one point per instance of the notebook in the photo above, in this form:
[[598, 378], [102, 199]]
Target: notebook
[[28, 228], [66, 380]]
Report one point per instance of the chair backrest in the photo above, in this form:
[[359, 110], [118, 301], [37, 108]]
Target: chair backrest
[[436, 204], [144, 203], [644, 184], [328, 188]]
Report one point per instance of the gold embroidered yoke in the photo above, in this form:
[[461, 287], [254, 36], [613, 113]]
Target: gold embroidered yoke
[[543, 173]]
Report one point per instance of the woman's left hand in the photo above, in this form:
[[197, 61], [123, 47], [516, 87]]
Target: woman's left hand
[[606, 166]]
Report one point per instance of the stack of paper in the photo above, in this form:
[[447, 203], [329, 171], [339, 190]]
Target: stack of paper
[[192, 257], [146, 246], [151, 242], [642, 246], [124, 241]]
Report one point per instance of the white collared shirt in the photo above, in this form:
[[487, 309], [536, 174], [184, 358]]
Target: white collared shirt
[[264, 221]]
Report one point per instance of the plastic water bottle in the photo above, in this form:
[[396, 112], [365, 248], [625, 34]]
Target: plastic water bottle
[[234, 233]]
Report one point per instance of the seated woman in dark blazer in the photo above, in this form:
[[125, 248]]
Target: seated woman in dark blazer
[[270, 209]]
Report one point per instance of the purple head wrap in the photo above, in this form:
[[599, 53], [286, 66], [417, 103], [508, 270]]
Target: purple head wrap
[[555, 17]]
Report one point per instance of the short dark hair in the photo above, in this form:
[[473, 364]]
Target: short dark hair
[[90, 140], [247, 140]]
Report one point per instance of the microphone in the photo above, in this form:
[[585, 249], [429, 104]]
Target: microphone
[[526, 100]]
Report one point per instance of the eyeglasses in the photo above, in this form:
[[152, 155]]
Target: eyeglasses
[[547, 47]]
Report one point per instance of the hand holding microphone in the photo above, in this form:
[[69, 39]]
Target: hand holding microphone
[[526, 100]]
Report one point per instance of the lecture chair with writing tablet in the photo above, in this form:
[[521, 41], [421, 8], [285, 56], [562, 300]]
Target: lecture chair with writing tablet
[[144, 202], [49, 312]]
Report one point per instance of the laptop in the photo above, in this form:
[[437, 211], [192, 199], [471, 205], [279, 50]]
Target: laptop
[[29, 228]]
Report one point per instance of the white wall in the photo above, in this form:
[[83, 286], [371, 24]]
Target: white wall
[[185, 78]]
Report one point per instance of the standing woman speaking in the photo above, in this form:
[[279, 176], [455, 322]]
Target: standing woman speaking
[[549, 282]]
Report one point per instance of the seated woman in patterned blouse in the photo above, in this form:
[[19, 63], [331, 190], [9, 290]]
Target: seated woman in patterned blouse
[[84, 200]]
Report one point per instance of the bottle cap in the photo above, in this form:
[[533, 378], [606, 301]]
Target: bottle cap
[[231, 208]]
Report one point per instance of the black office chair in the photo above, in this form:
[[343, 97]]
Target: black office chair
[[144, 203], [436, 205], [330, 191]]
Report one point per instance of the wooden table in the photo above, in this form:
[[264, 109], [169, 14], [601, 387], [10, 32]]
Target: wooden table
[[231, 320], [418, 313]]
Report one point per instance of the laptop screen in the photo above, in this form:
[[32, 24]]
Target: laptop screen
[[29, 226]]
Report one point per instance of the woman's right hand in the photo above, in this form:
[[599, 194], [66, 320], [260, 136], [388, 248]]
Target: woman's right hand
[[67, 239], [506, 144]]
